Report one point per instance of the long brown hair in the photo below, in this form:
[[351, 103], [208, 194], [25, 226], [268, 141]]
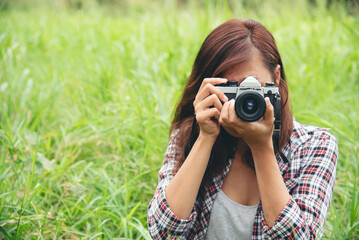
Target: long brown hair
[[225, 47]]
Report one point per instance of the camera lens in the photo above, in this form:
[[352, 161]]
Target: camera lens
[[250, 106]]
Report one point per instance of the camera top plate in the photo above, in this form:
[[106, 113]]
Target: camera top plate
[[228, 84]]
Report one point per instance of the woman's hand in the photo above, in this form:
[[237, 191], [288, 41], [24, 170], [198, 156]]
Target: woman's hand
[[207, 106], [256, 134]]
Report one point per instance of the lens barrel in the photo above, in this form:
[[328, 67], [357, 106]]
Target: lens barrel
[[250, 106]]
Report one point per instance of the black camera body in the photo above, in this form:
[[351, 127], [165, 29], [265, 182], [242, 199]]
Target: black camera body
[[249, 97]]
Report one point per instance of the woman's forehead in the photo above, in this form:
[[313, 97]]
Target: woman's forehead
[[254, 66]]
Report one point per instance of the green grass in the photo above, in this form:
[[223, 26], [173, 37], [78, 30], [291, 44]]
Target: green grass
[[86, 98]]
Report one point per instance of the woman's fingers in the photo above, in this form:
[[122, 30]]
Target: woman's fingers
[[269, 113], [224, 117], [213, 81], [207, 105], [208, 102], [207, 88], [207, 114], [228, 117], [232, 116]]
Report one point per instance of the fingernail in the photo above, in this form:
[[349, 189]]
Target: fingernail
[[226, 98]]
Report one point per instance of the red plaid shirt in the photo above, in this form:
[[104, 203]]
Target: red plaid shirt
[[309, 179]]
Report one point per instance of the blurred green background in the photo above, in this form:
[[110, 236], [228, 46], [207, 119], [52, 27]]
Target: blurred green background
[[87, 91]]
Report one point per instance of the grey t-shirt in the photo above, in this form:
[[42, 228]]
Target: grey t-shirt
[[230, 220]]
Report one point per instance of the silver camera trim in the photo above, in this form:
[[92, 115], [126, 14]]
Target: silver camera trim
[[250, 83]]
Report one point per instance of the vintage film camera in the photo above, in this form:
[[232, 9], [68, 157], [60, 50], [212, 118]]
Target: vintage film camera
[[249, 98]]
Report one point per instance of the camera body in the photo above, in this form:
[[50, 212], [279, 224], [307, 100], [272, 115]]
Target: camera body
[[249, 97]]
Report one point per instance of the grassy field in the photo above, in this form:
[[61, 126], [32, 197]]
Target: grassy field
[[86, 98]]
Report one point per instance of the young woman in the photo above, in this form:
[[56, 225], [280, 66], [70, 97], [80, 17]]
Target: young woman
[[225, 178]]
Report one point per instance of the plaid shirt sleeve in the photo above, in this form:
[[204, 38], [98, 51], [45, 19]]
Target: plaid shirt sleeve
[[304, 215], [160, 219]]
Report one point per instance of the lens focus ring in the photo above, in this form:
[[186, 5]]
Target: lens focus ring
[[250, 106]]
